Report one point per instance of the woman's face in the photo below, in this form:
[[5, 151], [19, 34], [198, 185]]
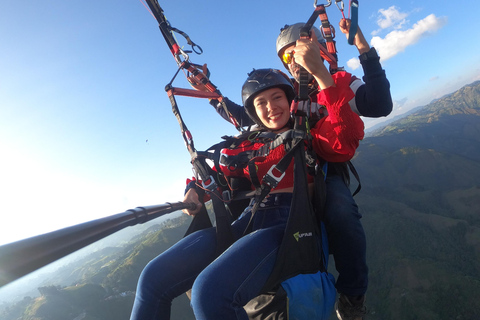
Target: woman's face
[[272, 108]]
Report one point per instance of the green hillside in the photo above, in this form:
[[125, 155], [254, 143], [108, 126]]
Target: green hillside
[[421, 203]]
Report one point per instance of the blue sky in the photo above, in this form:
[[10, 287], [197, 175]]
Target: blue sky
[[86, 128]]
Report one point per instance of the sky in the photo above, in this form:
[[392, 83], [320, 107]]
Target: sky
[[86, 128]]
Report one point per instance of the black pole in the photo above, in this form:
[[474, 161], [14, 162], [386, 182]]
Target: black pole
[[22, 257]]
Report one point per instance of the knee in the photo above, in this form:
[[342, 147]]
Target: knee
[[150, 279], [205, 297]]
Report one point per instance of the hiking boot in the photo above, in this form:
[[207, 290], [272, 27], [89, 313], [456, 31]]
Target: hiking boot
[[350, 308]]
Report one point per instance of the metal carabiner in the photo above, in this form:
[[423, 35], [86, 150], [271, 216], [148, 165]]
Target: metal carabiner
[[181, 57], [340, 7], [325, 5]]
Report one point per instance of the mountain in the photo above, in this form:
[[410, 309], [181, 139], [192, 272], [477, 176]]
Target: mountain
[[420, 201]]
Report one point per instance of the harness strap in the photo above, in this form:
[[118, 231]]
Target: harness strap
[[270, 140], [330, 54], [354, 18], [166, 30], [182, 59], [295, 139], [222, 218], [252, 169], [273, 177], [355, 174]]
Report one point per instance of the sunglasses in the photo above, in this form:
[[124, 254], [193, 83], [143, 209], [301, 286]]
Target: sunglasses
[[288, 57]]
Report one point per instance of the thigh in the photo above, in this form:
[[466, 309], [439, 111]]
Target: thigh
[[174, 271], [241, 271], [339, 201]]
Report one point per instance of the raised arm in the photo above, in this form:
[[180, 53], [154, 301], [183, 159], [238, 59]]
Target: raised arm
[[337, 136], [373, 98]]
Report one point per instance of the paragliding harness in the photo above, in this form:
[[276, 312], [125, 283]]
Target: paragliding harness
[[299, 287]]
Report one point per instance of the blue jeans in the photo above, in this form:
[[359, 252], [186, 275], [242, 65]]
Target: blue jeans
[[220, 286], [346, 238]]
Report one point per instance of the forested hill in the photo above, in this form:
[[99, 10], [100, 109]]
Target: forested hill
[[420, 200], [449, 125]]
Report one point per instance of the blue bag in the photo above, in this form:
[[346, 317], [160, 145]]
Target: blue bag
[[310, 296]]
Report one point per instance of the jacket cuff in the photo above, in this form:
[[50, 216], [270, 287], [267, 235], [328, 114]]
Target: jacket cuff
[[371, 63]]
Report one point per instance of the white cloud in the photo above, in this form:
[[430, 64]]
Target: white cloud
[[391, 17], [353, 63], [396, 41]]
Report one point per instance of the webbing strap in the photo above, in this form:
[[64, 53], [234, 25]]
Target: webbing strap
[[187, 136], [354, 19], [182, 59], [270, 140], [166, 30], [303, 79], [224, 233], [355, 174], [193, 93], [277, 172], [222, 218], [331, 52], [275, 175]]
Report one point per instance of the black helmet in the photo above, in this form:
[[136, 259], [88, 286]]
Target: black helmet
[[290, 34], [260, 80]]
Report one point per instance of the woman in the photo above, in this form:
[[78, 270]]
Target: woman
[[222, 286]]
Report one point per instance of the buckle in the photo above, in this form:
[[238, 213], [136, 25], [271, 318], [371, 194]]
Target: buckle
[[227, 196], [270, 179], [211, 186]]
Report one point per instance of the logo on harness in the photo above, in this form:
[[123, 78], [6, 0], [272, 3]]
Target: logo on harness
[[299, 235]]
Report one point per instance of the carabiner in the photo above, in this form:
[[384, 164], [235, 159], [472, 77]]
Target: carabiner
[[325, 5], [181, 56], [341, 6]]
